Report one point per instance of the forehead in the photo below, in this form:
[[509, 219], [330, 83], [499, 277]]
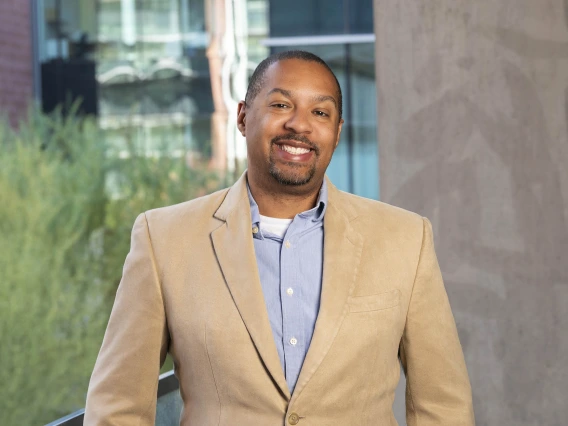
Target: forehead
[[300, 76]]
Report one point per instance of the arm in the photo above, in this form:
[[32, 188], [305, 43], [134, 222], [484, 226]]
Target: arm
[[437, 385], [124, 382]]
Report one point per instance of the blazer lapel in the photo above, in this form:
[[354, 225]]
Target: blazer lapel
[[234, 248], [342, 253]]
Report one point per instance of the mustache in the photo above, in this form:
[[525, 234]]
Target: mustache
[[298, 138]]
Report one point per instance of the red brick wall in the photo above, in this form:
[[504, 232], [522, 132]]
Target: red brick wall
[[16, 78]]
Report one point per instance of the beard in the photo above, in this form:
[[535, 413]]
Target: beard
[[297, 174], [296, 177]]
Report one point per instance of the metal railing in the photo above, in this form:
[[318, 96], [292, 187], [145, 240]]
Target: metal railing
[[167, 385]]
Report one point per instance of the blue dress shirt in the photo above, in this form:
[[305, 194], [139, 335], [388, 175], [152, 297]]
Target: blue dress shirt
[[290, 271]]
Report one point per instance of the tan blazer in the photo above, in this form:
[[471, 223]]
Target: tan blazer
[[190, 286]]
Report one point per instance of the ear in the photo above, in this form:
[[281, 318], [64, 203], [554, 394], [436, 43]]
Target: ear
[[241, 117], [339, 127]]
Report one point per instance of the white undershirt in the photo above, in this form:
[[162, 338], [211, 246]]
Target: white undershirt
[[274, 225]]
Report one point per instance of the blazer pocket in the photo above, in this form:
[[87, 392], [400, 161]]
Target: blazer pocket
[[375, 302]]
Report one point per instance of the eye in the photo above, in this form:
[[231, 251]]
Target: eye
[[321, 113], [279, 105]]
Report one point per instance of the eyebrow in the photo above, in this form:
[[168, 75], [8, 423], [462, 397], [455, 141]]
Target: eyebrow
[[317, 98]]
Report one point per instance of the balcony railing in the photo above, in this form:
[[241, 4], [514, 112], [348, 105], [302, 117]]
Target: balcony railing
[[167, 412]]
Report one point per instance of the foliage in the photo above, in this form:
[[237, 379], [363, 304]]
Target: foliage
[[67, 204]]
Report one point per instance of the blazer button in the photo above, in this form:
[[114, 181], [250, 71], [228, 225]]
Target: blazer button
[[293, 419]]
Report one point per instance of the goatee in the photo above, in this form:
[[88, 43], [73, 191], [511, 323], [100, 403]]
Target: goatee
[[292, 179]]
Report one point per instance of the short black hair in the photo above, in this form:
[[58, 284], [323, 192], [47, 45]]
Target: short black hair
[[257, 79]]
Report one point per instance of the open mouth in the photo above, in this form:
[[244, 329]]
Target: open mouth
[[294, 150]]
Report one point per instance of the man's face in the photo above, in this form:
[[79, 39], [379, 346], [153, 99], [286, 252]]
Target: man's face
[[292, 126]]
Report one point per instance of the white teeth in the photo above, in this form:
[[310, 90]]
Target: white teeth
[[294, 150]]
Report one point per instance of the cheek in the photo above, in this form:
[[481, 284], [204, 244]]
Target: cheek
[[258, 141], [262, 128], [329, 144]]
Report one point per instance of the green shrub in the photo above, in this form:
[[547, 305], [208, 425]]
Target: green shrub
[[67, 205]]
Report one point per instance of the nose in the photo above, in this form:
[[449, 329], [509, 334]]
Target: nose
[[298, 122]]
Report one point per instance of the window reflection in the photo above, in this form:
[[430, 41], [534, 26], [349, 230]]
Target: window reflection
[[155, 68]]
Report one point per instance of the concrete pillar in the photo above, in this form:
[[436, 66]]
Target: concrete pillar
[[473, 100]]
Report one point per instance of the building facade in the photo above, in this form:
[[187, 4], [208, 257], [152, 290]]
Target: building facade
[[16, 67]]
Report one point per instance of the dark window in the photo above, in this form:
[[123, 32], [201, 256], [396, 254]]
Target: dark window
[[320, 17]]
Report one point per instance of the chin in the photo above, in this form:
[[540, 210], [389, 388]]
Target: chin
[[292, 178]]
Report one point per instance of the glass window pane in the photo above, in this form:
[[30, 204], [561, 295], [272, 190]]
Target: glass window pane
[[294, 18], [364, 120], [157, 71], [360, 16], [305, 17]]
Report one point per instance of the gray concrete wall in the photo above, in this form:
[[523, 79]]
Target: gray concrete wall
[[473, 100]]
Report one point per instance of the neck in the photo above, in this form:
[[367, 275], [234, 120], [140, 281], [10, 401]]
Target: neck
[[284, 204]]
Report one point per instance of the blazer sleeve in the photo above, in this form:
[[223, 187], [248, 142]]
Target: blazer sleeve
[[123, 386], [438, 391]]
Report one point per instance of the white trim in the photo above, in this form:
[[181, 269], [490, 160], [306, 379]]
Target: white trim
[[318, 40]]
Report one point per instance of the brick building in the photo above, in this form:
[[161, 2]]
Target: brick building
[[16, 62]]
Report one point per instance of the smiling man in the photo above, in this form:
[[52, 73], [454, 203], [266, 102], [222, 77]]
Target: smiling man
[[283, 300]]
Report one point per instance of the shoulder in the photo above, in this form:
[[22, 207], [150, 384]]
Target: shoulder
[[372, 217], [361, 209]]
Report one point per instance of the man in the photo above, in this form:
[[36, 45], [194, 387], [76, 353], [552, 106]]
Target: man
[[283, 300]]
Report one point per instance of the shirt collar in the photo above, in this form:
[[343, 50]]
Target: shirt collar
[[316, 214]]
